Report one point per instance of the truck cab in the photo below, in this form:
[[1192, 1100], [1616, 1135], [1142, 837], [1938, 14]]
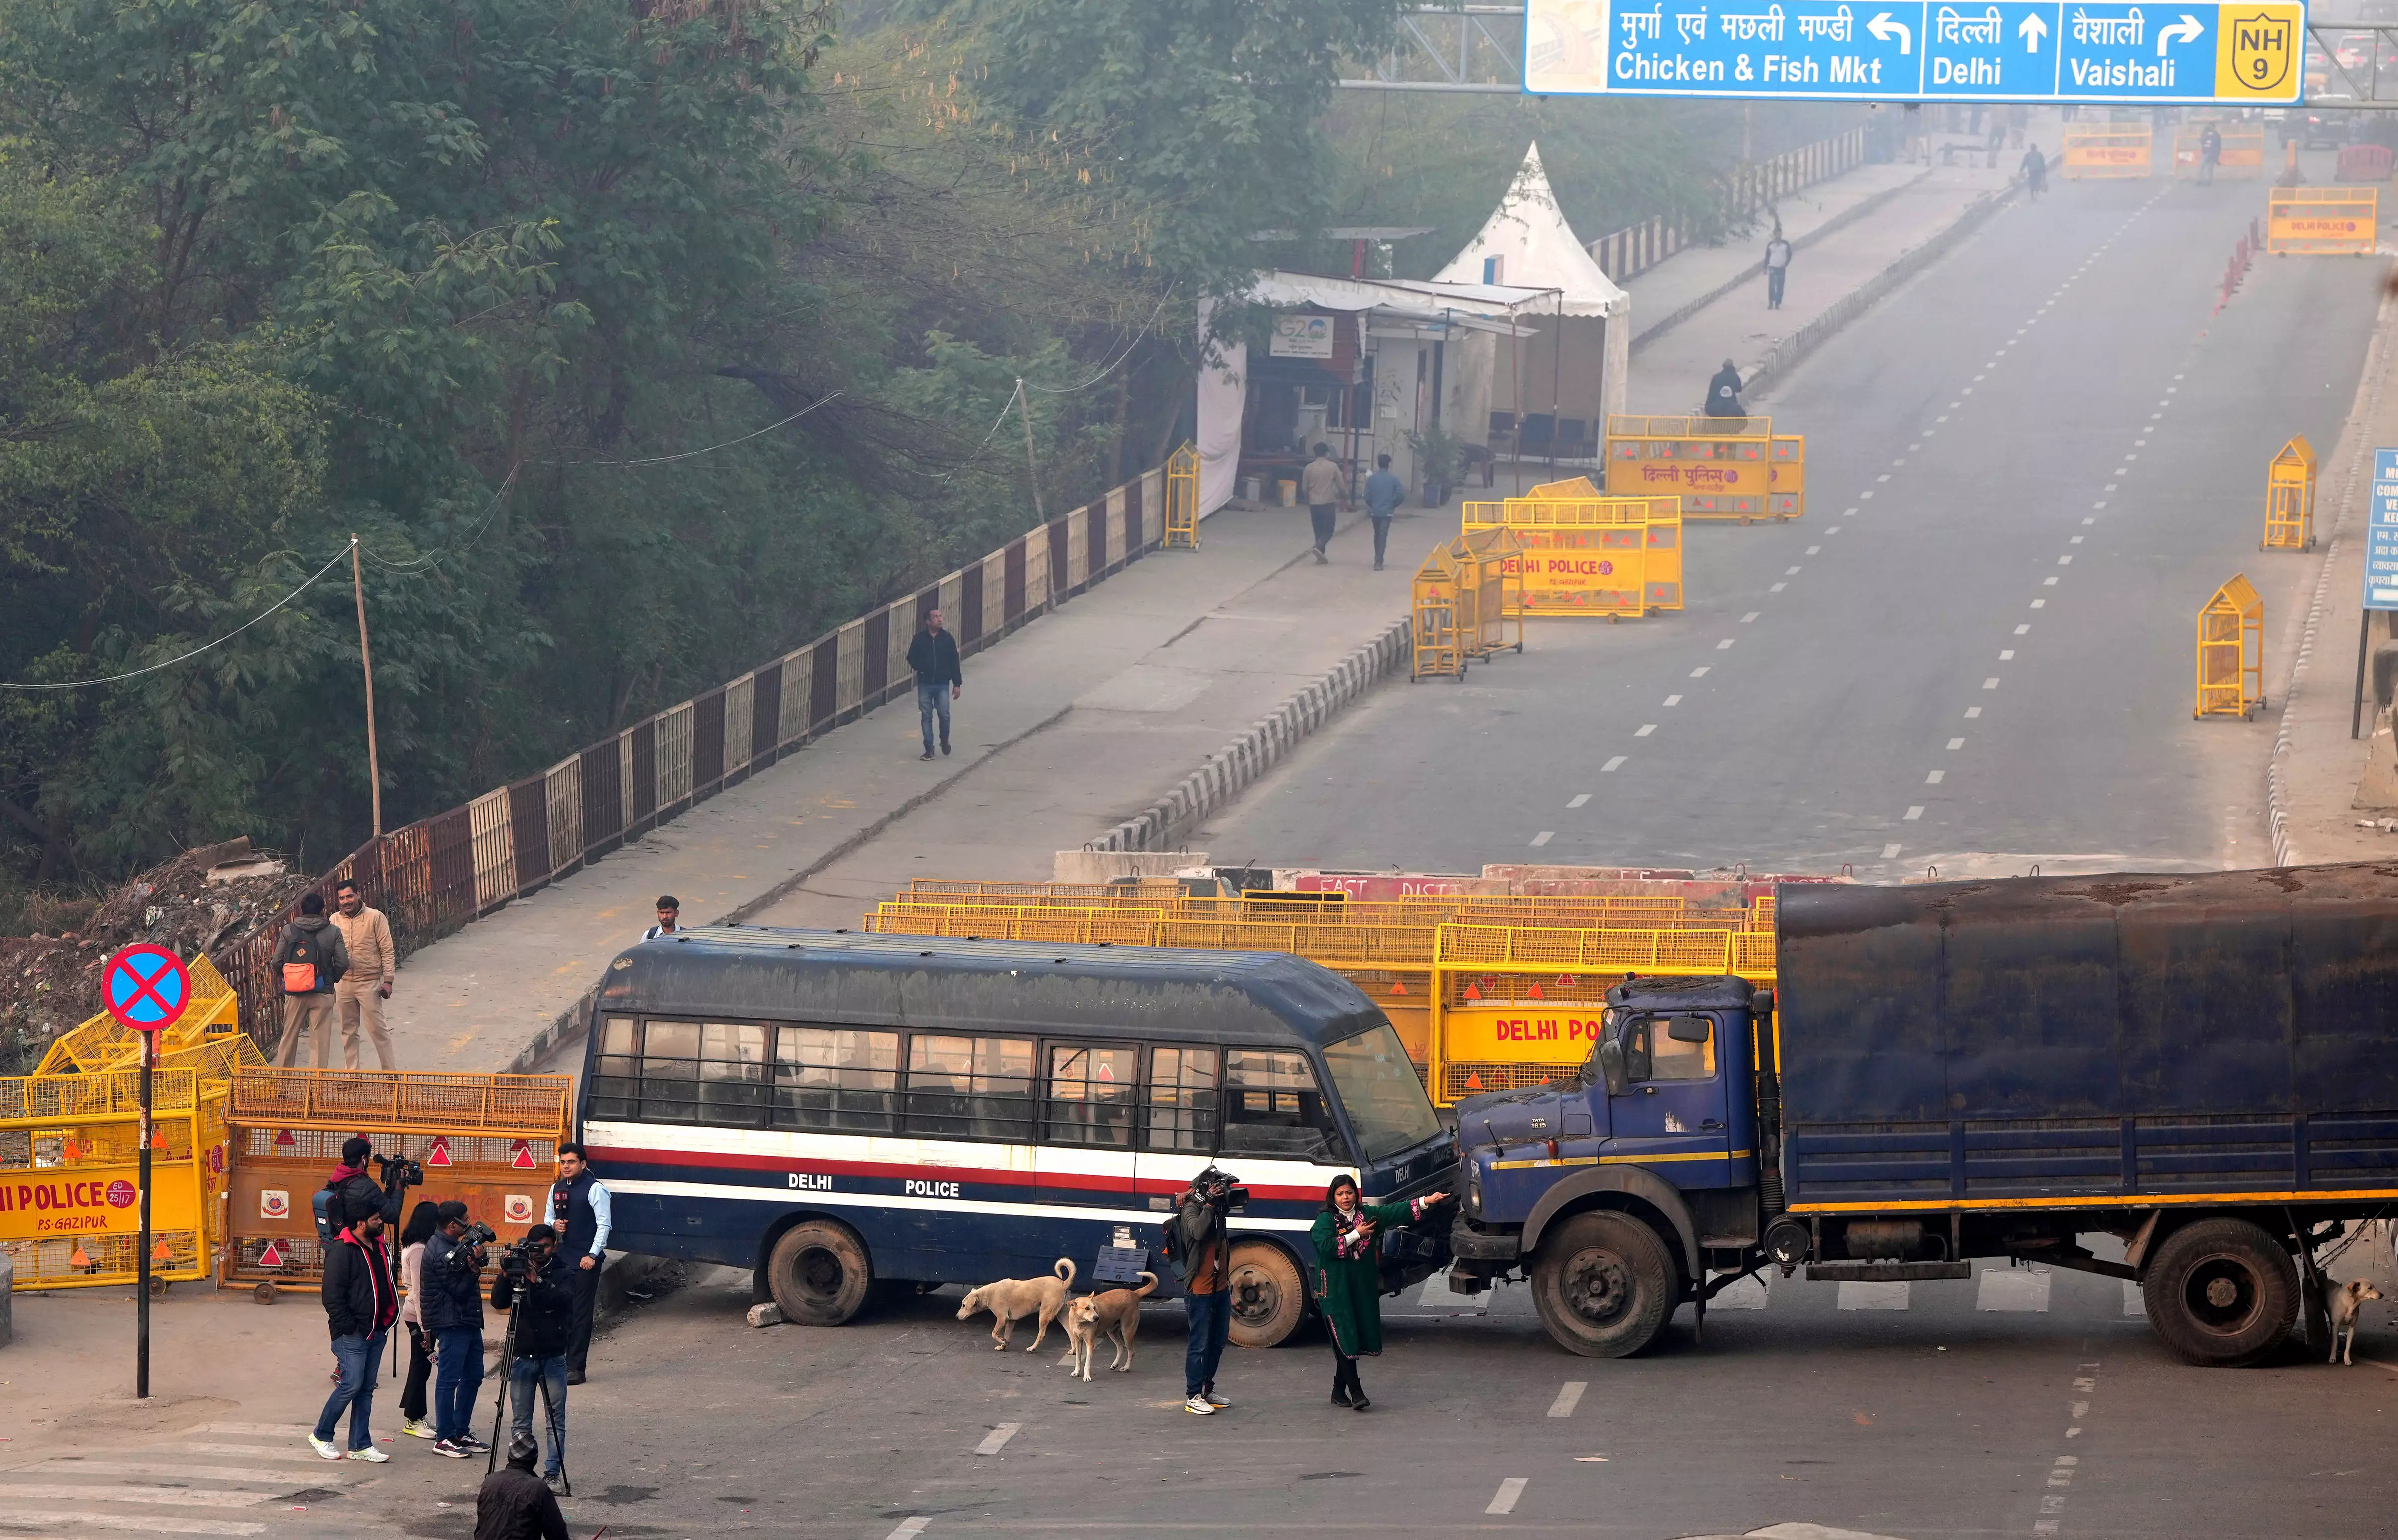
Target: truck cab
[[1609, 1192]]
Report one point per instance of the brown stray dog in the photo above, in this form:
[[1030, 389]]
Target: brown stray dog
[[1115, 1314], [2347, 1303], [1010, 1299]]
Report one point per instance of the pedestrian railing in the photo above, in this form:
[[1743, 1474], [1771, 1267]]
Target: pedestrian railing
[[1744, 192]]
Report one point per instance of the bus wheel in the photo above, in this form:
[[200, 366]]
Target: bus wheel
[[1604, 1284], [818, 1274], [1267, 1300], [2221, 1293]]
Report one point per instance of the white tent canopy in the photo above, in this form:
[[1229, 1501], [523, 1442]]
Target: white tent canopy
[[1538, 249]]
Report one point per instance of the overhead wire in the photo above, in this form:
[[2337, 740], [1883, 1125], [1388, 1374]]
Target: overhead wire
[[135, 674]]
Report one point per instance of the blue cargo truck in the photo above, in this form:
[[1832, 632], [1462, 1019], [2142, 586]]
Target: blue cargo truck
[[2203, 1066]]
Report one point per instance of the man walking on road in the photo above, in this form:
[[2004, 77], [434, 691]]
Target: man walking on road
[[583, 1212], [2034, 173], [311, 959], [375, 963], [361, 1301], [1320, 485], [934, 656], [1777, 268], [1384, 492]]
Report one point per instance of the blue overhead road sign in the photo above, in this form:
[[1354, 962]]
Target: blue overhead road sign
[[1919, 50]]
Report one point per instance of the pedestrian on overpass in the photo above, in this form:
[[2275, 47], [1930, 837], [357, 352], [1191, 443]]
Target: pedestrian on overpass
[[1322, 484], [1777, 269], [669, 918], [583, 1210], [375, 963], [1723, 393], [310, 959], [1347, 1277], [1384, 492], [934, 656], [2035, 173]]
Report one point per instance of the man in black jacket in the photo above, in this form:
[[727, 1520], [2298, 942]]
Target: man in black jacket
[[452, 1277], [361, 1301], [934, 656], [538, 1293], [514, 1505]]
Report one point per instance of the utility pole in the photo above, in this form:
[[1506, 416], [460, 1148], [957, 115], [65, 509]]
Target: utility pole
[[1031, 472], [366, 661]]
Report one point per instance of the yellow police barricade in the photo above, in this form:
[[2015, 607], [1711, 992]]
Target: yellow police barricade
[[2322, 221], [1436, 647], [1490, 564], [2102, 152], [1589, 554], [490, 1141], [70, 1165], [2290, 498], [2241, 157], [213, 1014], [2232, 652], [1182, 500], [1514, 1005], [1730, 468]]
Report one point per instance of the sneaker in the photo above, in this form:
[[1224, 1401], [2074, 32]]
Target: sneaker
[[945, 747], [370, 1454], [926, 755], [574, 1376], [557, 1486], [472, 1445], [1213, 1399], [326, 1449], [447, 1449], [1197, 1406], [1322, 560], [419, 1429]]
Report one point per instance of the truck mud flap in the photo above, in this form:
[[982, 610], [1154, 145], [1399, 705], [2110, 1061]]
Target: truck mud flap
[[1886, 1272]]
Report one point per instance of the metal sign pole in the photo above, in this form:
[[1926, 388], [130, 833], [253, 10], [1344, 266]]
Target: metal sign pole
[[142, 1273]]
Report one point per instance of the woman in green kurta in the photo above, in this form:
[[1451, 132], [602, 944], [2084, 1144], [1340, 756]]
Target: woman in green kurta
[[1348, 1283]]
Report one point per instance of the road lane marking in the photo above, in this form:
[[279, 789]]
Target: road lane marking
[[992, 1443], [1673, 700], [1790, 572], [2100, 503], [2024, 630], [1579, 799], [1644, 729], [1873, 1296], [1751, 617], [1746, 1293], [1699, 672], [2065, 561], [1989, 684], [189, 1497], [909, 1528], [1867, 493], [2040, 604], [2133, 1306], [1813, 551], [254, 1430], [1890, 852], [1609, 768], [1884, 476], [2078, 539], [2006, 655], [253, 1451], [2013, 1289], [1509, 1490], [1777, 588], [2048, 583], [1972, 712], [1543, 836], [1725, 644], [1567, 1399], [1837, 527], [283, 1479], [1935, 778], [1956, 743], [151, 1522], [1912, 814]]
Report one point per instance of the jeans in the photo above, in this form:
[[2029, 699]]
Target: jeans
[[357, 1356], [551, 1375], [457, 1374], [933, 701], [1774, 278], [420, 1372], [1321, 516], [1211, 1327], [1381, 535]]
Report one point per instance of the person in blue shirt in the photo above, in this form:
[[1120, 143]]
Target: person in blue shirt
[[583, 1212], [1384, 492]]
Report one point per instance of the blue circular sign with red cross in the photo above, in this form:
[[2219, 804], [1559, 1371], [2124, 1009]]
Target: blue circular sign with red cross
[[146, 987]]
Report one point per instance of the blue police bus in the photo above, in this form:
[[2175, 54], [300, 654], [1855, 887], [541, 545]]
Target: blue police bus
[[847, 1112]]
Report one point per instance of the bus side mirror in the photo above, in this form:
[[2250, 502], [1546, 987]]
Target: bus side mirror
[[1611, 1064]]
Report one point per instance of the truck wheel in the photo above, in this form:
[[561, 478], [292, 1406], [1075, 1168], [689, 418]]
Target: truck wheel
[[1268, 1299], [2221, 1293], [818, 1274], [1604, 1284]]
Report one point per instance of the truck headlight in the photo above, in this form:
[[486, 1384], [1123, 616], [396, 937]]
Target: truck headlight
[[1473, 1189]]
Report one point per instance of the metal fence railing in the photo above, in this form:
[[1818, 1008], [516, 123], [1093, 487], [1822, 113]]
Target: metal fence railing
[[1745, 191], [441, 873]]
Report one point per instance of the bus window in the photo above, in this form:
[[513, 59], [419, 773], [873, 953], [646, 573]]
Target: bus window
[[831, 1078], [1272, 1106], [670, 1072], [616, 1070], [1181, 1100], [1091, 1093], [970, 1088], [733, 1090]]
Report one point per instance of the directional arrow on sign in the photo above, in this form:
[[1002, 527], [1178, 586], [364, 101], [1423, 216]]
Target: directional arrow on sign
[[1884, 29], [2031, 31], [2187, 28]]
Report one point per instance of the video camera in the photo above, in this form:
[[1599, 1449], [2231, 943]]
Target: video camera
[[478, 1233], [1221, 1190], [399, 1172]]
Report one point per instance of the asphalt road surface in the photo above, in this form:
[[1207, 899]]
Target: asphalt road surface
[[2027, 472], [1988, 1407]]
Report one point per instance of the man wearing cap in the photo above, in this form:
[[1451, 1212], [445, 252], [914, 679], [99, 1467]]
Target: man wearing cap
[[514, 1503]]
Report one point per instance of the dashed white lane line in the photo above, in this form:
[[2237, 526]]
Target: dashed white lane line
[[1541, 838], [2089, 521], [1813, 551], [187, 1498], [1935, 778], [282, 1478], [1503, 1501], [1567, 1397], [1750, 619], [996, 1439], [909, 1528], [2065, 561], [2077, 539], [2006, 655], [1873, 1296], [1989, 684], [1837, 527], [2024, 630], [1673, 700], [1644, 729], [1888, 853], [1790, 572], [2048, 583], [1699, 672], [2041, 604], [1956, 743], [2013, 1289], [1777, 588], [2134, 1304], [1725, 645], [1579, 799], [1612, 766], [1972, 712], [152, 1523], [1912, 814]]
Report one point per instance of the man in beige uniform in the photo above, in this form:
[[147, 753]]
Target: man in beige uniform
[[375, 963], [1322, 485]]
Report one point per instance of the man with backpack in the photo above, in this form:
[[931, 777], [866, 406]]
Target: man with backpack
[[351, 1193], [312, 960], [361, 1301], [1198, 1247]]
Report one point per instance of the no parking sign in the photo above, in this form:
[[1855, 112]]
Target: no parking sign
[[146, 987]]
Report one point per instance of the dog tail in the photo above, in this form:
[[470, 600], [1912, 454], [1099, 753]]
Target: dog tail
[[1144, 1290], [1064, 1268]]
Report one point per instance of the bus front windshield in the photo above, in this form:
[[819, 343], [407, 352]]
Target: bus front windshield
[[1386, 1104]]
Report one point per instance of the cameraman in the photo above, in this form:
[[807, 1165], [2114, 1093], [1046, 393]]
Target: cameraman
[[356, 1194], [536, 1286], [452, 1274], [1199, 1248]]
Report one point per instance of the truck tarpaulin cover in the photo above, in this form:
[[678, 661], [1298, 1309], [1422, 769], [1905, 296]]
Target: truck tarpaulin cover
[[2233, 1031]]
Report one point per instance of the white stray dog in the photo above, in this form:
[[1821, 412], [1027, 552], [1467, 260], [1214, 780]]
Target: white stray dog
[[1010, 1299], [2347, 1302]]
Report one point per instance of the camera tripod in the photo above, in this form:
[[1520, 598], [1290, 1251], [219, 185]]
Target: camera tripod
[[508, 1383]]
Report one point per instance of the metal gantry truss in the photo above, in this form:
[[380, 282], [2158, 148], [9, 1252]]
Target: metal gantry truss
[[1480, 49]]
